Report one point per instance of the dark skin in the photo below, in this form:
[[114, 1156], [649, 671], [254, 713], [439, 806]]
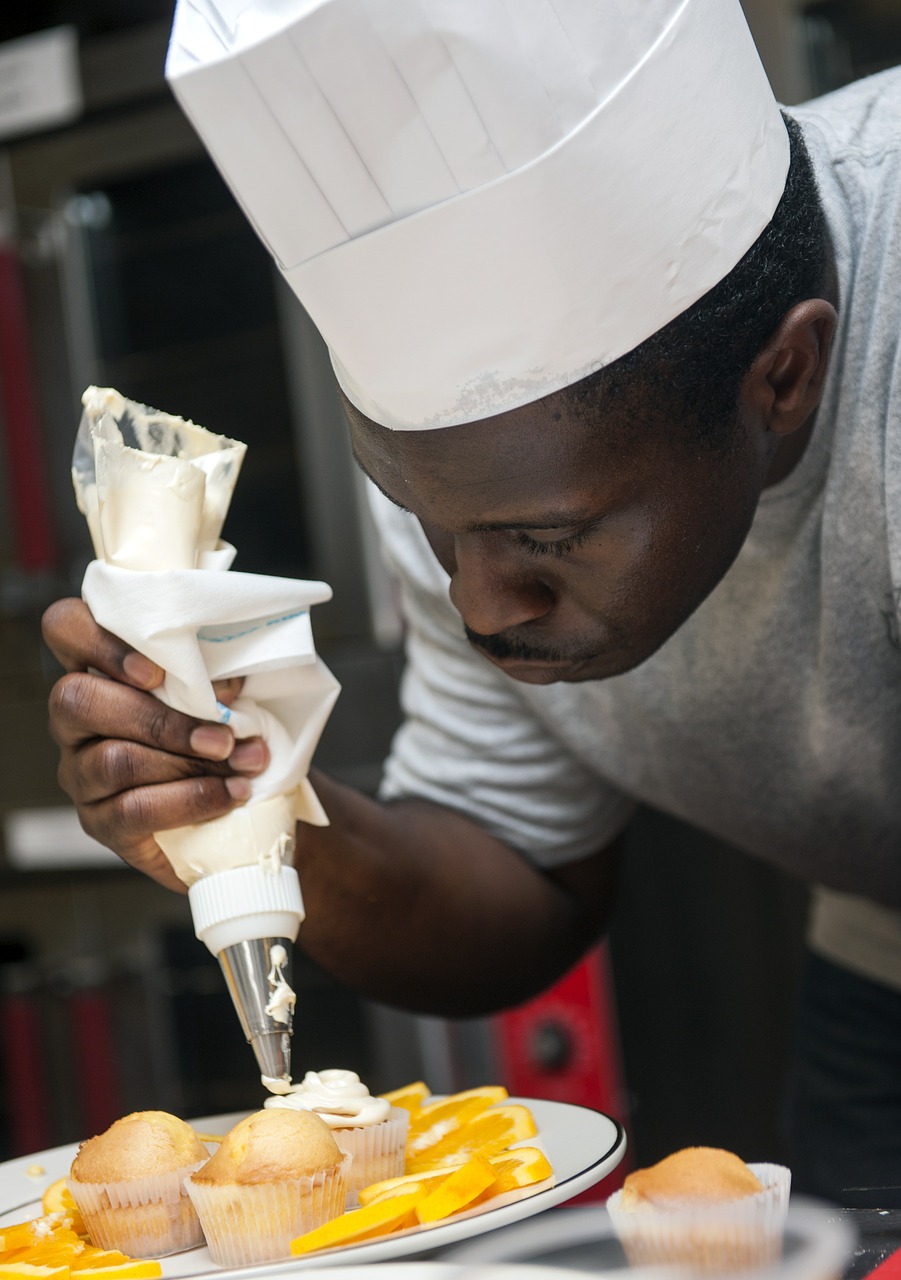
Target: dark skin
[[411, 902]]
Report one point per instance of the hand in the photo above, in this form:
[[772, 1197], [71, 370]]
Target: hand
[[130, 764]]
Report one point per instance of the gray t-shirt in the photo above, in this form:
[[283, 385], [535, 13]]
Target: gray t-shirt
[[772, 718]]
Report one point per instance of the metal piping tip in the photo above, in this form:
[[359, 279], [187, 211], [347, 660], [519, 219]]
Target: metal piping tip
[[273, 1054], [253, 976]]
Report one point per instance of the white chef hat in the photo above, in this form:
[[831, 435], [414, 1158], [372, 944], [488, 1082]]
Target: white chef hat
[[482, 201]]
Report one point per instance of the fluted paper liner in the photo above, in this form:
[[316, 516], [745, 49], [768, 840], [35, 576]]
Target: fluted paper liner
[[731, 1236], [143, 1217], [378, 1150], [246, 1223]]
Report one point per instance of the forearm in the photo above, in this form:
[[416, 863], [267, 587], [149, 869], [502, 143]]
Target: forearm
[[416, 905]]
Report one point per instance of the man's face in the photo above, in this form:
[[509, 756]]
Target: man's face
[[576, 542]]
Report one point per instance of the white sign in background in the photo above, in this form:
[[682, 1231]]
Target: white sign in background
[[40, 84]]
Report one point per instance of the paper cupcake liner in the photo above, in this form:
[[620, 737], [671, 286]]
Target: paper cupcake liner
[[143, 1217], [378, 1150], [742, 1233], [256, 1223]]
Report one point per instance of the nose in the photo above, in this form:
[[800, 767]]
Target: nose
[[491, 587]]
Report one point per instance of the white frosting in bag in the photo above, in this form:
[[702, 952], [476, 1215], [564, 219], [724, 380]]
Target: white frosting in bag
[[338, 1097]]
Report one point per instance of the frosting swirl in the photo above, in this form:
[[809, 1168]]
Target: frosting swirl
[[338, 1097]]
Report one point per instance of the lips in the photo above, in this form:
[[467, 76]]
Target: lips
[[533, 670]]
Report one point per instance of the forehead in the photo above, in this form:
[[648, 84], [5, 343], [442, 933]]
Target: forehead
[[518, 463]]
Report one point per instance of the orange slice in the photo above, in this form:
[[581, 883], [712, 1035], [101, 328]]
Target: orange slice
[[400, 1186], [437, 1119], [360, 1224], [515, 1170], [22, 1234], [130, 1269], [95, 1257], [37, 1234], [410, 1096], [487, 1135], [521, 1167], [57, 1198], [456, 1191], [29, 1271]]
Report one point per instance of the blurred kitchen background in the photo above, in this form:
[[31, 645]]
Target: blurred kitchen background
[[125, 262]]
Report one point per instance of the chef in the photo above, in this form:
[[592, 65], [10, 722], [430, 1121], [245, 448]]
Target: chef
[[619, 347]]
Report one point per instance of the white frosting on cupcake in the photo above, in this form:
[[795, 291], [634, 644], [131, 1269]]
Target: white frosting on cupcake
[[338, 1097]]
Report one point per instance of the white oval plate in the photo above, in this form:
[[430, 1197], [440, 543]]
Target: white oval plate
[[582, 1145]]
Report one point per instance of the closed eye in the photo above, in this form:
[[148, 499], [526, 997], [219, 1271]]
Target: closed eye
[[560, 547]]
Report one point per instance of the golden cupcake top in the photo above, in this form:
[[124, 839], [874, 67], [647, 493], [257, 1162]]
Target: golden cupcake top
[[138, 1146], [270, 1146], [700, 1175]]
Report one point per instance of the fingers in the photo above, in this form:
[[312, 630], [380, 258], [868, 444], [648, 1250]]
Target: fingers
[[78, 643], [84, 706], [126, 822], [132, 765], [104, 767], [227, 691]]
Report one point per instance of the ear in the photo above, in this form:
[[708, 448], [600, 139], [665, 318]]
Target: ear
[[786, 378]]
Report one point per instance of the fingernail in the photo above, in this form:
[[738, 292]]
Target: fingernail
[[248, 757], [213, 741], [238, 788], [140, 669]]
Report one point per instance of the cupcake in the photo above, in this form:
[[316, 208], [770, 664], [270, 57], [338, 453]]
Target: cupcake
[[128, 1184], [703, 1207], [276, 1175], [368, 1128]]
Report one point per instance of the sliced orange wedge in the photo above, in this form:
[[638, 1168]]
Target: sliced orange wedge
[[20, 1235], [130, 1269], [456, 1191], [95, 1257], [436, 1120], [360, 1224], [37, 1233], [486, 1135], [49, 1254], [411, 1096], [520, 1167], [515, 1174], [57, 1198], [400, 1186], [30, 1271]]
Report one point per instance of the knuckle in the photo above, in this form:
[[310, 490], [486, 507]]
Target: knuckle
[[133, 813], [117, 764], [157, 724], [70, 699], [54, 617], [205, 797]]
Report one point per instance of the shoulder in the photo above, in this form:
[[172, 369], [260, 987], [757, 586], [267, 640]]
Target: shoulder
[[858, 122]]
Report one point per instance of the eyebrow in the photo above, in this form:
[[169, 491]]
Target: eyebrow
[[548, 521]]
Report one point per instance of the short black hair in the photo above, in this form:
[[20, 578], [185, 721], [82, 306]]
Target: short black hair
[[695, 365]]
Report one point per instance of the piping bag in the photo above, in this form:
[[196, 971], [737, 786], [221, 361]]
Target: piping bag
[[155, 490]]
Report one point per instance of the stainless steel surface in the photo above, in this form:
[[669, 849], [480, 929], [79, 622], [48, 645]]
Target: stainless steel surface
[[246, 967]]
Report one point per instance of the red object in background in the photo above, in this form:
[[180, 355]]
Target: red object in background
[[888, 1269], [564, 1046], [29, 500], [26, 1083], [96, 1058]]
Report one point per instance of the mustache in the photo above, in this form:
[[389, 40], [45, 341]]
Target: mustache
[[504, 645]]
